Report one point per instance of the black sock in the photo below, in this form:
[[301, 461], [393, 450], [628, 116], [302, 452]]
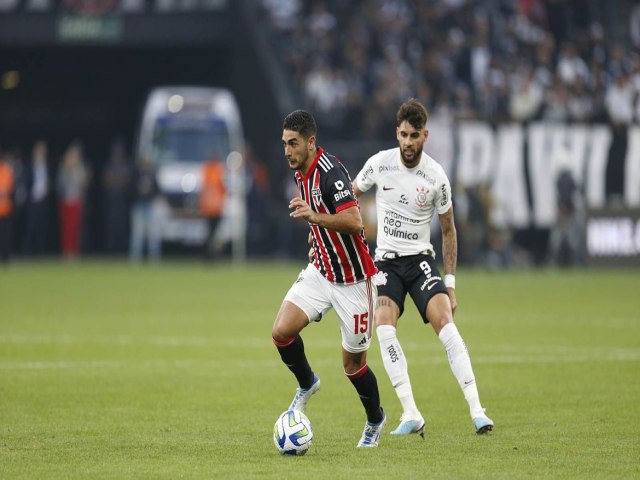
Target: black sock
[[293, 356], [367, 387]]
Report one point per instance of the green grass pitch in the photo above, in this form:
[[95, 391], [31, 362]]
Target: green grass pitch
[[111, 371]]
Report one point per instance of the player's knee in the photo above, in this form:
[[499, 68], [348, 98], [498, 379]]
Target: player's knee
[[277, 334], [439, 321], [353, 363], [283, 330]]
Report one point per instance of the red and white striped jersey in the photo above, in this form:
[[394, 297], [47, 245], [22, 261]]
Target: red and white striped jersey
[[341, 258]]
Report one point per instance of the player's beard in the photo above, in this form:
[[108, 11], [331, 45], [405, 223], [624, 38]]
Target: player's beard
[[417, 155], [302, 162]]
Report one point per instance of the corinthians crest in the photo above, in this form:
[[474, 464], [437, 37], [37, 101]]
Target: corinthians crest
[[421, 197]]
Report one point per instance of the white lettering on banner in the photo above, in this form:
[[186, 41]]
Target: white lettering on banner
[[498, 158], [476, 155], [570, 150], [595, 183], [541, 173], [632, 169], [553, 148], [509, 185], [613, 237], [441, 145]]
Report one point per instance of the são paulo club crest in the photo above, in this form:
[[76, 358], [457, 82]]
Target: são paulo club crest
[[316, 193], [421, 197]]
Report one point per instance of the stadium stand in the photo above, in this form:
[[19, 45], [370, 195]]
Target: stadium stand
[[353, 63]]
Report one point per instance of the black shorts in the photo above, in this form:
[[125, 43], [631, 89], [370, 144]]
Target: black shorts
[[417, 275]]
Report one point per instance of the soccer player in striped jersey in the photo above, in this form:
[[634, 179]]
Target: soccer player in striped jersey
[[338, 276], [410, 188]]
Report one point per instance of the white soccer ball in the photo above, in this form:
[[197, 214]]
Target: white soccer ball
[[292, 433]]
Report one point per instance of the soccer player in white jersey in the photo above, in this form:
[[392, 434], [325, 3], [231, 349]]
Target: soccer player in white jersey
[[410, 188], [338, 276]]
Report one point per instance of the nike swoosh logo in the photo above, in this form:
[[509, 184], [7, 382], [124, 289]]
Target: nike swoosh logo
[[469, 382], [385, 188], [429, 287]]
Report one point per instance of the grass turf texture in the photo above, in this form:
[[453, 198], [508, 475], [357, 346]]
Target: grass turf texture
[[110, 371]]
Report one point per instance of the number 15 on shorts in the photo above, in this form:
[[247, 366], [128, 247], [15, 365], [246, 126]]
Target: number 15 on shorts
[[361, 322]]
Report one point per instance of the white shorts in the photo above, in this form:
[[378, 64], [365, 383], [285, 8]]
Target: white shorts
[[354, 304]]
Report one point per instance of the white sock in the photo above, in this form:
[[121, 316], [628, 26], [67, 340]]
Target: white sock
[[461, 367], [395, 363]]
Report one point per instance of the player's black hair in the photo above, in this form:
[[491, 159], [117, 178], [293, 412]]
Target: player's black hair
[[302, 122], [413, 112]]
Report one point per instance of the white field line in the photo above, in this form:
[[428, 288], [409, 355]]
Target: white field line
[[429, 346], [427, 353], [146, 364]]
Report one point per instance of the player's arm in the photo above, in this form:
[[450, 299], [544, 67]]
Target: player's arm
[[366, 178], [357, 192], [345, 221], [449, 250]]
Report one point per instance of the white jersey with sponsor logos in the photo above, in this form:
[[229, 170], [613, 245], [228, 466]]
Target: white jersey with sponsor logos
[[406, 199]]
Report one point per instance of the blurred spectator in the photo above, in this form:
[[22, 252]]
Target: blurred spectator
[[71, 183], [212, 200], [20, 198], [6, 206], [321, 21], [145, 213], [259, 235], [566, 234], [580, 104], [38, 187], [618, 63], [526, 97], [472, 211], [571, 67], [619, 99], [556, 103], [116, 180]]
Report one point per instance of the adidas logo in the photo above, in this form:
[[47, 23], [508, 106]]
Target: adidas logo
[[363, 341]]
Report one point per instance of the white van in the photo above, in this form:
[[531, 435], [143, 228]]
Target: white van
[[183, 127]]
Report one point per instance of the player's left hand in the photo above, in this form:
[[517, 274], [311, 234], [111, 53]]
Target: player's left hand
[[452, 299], [300, 209]]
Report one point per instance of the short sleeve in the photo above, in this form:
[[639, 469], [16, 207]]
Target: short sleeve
[[366, 177], [443, 195], [337, 190]]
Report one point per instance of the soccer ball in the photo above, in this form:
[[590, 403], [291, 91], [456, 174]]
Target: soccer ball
[[292, 433]]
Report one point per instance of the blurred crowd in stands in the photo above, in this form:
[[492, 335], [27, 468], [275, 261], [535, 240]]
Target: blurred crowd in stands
[[72, 205], [50, 205], [353, 63]]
